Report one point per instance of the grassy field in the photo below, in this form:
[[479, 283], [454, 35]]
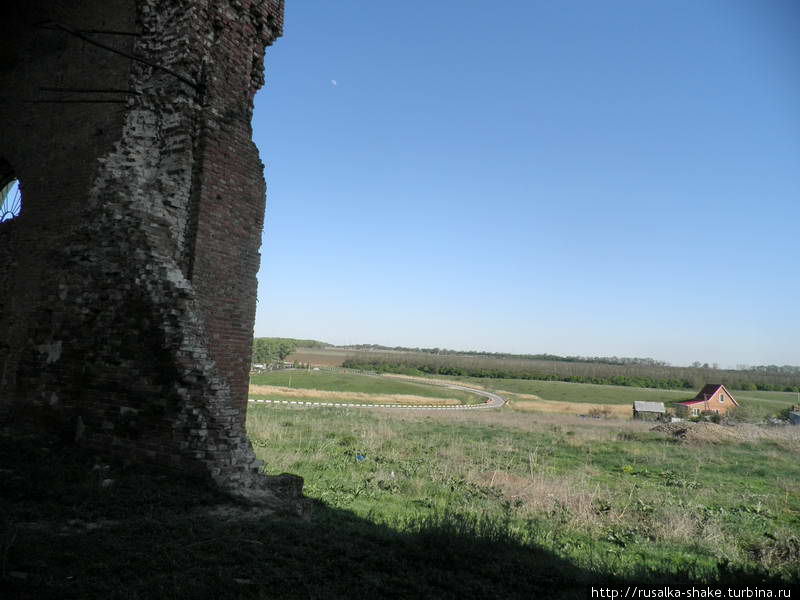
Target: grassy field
[[525, 394], [529, 403], [474, 504], [768, 402], [609, 498], [761, 404], [321, 357], [585, 393], [65, 535], [322, 386], [493, 503], [285, 395]]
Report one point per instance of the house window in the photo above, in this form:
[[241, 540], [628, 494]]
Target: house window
[[695, 411], [722, 397]]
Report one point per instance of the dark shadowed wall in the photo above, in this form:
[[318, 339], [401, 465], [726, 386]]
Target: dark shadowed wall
[[127, 283]]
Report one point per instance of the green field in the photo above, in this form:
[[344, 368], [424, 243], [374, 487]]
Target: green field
[[584, 392], [625, 372], [757, 404], [442, 505], [609, 498], [363, 384], [490, 503], [768, 402]]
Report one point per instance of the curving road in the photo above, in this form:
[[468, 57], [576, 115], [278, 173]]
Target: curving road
[[492, 400]]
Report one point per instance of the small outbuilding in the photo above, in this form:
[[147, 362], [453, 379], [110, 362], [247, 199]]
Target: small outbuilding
[[713, 398], [648, 411]]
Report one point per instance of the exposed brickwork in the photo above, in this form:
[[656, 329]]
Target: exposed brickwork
[[128, 281]]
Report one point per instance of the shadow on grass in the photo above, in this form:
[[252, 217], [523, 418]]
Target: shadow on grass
[[71, 528]]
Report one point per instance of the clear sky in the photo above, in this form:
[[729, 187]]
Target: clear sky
[[574, 177]]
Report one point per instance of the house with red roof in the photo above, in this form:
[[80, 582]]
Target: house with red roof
[[713, 398]]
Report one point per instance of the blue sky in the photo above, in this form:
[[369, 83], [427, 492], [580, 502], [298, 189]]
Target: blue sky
[[575, 177]]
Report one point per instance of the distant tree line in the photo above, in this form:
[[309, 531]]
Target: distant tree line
[[635, 375], [301, 343], [767, 369], [608, 360]]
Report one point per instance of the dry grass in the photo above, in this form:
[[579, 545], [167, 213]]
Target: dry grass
[[619, 411], [573, 498], [526, 474], [375, 435], [265, 429], [601, 429], [682, 526], [529, 422], [319, 357], [541, 494], [581, 506], [275, 391], [789, 437]]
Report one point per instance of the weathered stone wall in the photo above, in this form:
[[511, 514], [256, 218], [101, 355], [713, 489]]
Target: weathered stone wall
[[128, 281]]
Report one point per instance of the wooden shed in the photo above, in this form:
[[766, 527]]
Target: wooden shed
[[648, 411]]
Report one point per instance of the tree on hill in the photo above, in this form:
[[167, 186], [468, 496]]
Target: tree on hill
[[267, 350]]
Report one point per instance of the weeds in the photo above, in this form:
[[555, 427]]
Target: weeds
[[484, 504], [641, 498]]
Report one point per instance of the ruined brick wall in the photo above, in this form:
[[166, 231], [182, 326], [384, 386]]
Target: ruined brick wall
[[128, 297]]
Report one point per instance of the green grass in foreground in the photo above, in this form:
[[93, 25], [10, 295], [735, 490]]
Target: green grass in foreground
[[366, 384], [575, 504], [611, 498], [152, 535]]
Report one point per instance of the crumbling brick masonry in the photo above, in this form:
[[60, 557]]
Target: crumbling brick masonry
[[128, 281]]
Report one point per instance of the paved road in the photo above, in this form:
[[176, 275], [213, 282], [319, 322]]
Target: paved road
[[492, 400]]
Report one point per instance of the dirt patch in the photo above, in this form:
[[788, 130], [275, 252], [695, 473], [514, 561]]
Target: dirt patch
[[699, 432]]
